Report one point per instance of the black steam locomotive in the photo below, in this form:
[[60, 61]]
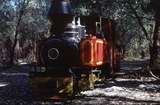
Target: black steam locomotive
[[80, 51]]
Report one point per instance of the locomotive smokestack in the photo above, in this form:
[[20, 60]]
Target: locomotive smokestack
[[60, 14], [60, 7]]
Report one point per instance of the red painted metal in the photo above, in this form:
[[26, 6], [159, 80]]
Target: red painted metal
[[93, 51]]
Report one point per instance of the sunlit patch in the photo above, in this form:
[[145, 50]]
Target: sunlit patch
[[143, 79], [15, 74], [131, 68], [129, 93], [21, 62], [3, 84]]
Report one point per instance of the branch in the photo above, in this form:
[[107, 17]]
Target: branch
[[147, 18], [139, 20]]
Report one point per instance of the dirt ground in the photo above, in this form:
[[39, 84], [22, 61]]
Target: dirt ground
[[137, 88]]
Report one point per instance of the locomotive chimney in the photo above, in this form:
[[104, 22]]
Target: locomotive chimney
[[60, 14], [60, 7]]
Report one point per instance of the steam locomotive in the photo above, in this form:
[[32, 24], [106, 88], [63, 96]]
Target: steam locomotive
[[80, 51]]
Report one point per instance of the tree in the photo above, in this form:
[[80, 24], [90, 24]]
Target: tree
[[129, 16], [20, 6], [155, 48], [23, 20]]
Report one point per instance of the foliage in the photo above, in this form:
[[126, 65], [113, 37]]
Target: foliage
[[134, 24], [34, 19], [22, 20], [27, 20]]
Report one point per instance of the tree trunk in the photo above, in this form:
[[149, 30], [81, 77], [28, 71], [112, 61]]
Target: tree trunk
[[13, 49], [20, 15], [155, 59], [16, 37]]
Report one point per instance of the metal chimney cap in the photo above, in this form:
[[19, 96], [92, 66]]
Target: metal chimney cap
[[60, 7]]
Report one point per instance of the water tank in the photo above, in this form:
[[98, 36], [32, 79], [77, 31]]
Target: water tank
[[93, 51]]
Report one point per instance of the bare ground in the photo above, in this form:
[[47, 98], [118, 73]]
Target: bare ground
[[134, 88]]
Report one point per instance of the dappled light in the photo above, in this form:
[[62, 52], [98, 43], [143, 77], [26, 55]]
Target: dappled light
[[3, 84], [79, 52]]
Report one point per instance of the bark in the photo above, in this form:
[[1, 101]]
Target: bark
[[154, 48], [21, 13]]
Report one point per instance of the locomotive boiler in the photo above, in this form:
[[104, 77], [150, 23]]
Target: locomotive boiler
[[61, 50], [80, 50]]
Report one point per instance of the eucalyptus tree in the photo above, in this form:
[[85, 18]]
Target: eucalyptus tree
[[19, 7], [22, 20]]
